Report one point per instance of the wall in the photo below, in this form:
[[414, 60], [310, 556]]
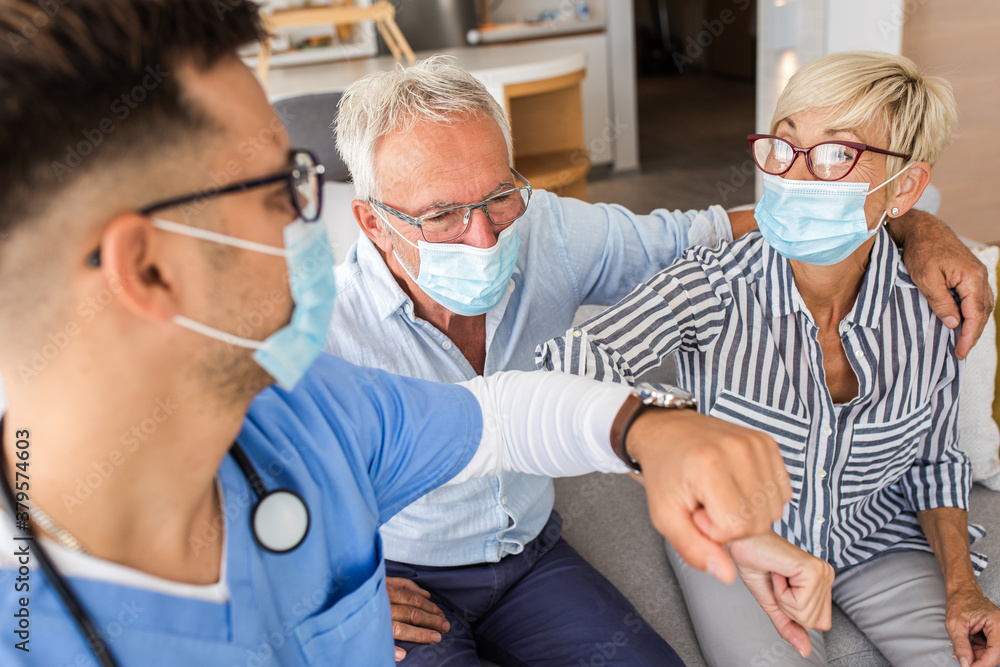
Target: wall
[[958, 40], [790, 33]]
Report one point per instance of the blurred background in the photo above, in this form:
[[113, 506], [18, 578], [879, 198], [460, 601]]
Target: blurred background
[[672, 87]]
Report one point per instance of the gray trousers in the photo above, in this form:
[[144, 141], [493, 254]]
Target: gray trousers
[[897, 600]]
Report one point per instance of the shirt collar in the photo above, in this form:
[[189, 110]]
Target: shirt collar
[[781, 296], [385, 293]]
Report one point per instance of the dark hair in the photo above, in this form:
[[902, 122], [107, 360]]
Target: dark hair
[[88, 83]]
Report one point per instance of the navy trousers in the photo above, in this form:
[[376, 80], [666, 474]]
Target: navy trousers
[[545, 606]]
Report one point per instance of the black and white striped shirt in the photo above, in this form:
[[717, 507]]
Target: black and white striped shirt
[[746, 346]]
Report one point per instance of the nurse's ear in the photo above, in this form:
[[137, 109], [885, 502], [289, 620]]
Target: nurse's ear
[[911, 184], [130, 260]]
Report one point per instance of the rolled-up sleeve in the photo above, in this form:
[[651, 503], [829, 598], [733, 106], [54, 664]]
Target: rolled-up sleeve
[[941, 475]]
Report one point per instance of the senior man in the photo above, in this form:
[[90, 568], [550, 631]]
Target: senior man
[[462, 269]]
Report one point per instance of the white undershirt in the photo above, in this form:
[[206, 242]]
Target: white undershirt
[[69, 563]]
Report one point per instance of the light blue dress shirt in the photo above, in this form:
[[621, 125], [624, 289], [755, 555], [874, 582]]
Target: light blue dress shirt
[[572, 254], [354, 443]]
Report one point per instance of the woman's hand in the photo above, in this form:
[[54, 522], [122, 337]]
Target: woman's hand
[[974, 625], [792, 587]]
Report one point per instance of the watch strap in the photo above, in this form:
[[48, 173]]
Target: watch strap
[[630, 409]]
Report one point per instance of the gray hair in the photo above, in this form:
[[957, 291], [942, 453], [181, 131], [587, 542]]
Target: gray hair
[[434, 90]]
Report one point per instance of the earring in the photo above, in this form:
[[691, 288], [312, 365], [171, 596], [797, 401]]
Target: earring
[[895, 211]]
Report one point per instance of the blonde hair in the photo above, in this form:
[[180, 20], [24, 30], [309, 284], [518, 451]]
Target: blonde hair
[[434, 90], [861, 87]]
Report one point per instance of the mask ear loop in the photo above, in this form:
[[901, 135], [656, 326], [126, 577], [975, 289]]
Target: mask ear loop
[[399, 260], [215, 237], [884, 219]]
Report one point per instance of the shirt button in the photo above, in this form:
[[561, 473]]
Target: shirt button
[[827, 431], [503, 501], [446, 345], [845, 327], [859, 354], [577, 333], [821, 474], [399, 311], [820, 519]]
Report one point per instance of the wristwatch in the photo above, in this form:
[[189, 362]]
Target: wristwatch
[[644, 395]]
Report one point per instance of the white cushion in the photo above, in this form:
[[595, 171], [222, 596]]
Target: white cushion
[[978, 434], [341, 227]]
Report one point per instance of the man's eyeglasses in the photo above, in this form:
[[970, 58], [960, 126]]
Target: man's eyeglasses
[[448, 224], [827, 161], [305, 191]]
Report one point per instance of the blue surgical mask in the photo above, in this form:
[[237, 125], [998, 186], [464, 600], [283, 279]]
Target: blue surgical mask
[[289, 352], [465, 280], [816, 222]]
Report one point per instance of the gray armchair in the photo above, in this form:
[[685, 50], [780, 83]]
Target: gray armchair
[[309, 119]]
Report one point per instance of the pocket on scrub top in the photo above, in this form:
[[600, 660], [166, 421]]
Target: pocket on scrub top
[[356, 630], [790, 431], [881, 453]]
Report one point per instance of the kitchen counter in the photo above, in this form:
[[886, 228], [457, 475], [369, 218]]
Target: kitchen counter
[[496, 66], [538, 86]]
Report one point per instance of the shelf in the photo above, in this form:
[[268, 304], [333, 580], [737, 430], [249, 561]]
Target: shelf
[[561, 172], [513, 32], [322, 54]]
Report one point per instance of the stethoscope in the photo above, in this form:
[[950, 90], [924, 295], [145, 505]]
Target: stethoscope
[[279, 522]]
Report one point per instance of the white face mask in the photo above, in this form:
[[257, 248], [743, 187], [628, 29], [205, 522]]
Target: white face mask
[[816, 222]]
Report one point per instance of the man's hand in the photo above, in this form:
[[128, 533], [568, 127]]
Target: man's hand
[[414, 617], [937, 262], [708, 482], [973, 623], [792, 586]]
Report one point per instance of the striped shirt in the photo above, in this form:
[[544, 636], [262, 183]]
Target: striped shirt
[[746, 346]]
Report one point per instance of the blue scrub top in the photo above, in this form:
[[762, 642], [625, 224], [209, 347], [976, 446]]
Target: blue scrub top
[[358, 445]]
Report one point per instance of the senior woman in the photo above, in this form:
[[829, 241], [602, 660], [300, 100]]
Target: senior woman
[[812, 331]]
